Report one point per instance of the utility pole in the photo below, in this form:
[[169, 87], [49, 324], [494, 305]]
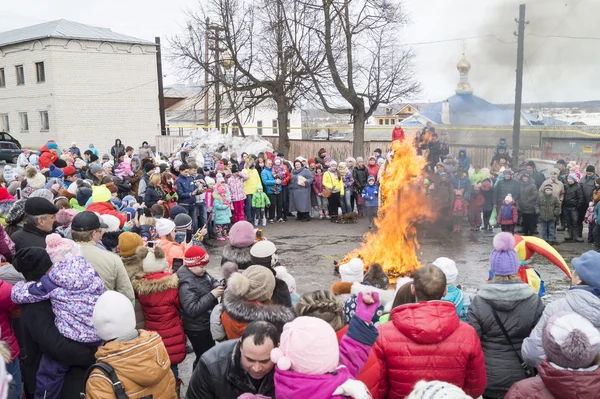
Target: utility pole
[[206, 86], [217, 77], [519, 85], [161, 94]]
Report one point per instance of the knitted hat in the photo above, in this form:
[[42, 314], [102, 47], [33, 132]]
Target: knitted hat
[[327, 159], [79, 163], [34, 178], [152, 261], [164, 227], [210, 181], [242, 234], [570, 341], [16, 213], [111, 221], [504, 261], [195, 256], [64, 217], [83, 195], [101, 194], [43, 193], [182, 221], [176, 210], [113, 316], [32, 262], [548, 186], [128, 243], [264, 253], [555, 171], [590, 168], [308, 345], [256, 283], [508, 199], [8, 174], [52, 145], [60, 249], [573, 177], [448, 266], [228, 268], [282, 274], [371, 178], [376, 277], [55, 172], [507, 172], [332, 163], [352, 271], [436, 390], [95, 168], [587, 267]]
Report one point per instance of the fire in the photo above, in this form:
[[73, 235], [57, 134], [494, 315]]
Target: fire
[[404, 204]]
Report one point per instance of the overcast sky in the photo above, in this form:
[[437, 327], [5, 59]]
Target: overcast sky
[[557, 69]]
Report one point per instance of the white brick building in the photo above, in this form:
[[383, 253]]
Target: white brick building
[[70, 82]]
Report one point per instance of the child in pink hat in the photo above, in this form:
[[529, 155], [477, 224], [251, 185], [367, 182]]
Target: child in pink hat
[[310, 364]]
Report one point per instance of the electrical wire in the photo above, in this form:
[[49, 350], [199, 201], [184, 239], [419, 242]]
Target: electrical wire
[[459, 39]]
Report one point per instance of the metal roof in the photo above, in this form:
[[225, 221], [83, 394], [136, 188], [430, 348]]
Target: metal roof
[[66, 30], [467, 109]]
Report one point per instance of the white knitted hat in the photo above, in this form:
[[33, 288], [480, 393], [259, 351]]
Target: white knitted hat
[[448, 266], [113, 316]]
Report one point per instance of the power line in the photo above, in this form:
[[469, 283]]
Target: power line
[[460, 39], [564, 37]]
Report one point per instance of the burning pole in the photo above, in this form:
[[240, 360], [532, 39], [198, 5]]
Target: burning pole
[[404, 206]]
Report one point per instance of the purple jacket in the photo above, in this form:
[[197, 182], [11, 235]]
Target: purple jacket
[[73, 287], [355, 347]]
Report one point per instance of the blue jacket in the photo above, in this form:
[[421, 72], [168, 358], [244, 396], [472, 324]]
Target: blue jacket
[[597, 213], [185, 188], [221, 212], [370, 194], [268, 180], [465, 162], [462, 184]]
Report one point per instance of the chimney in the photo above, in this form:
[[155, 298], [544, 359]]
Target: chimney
[[446, 113]]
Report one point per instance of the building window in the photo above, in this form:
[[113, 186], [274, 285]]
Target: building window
[[2, 78], [40, 72], [4, 125], [393, 121], [381, 121], [275, 124], [259, 127], [387, 121], [24, 122], [20, 75], [44, 125], [235, 130]]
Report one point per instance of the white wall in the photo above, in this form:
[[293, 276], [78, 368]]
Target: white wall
[[266, 113]]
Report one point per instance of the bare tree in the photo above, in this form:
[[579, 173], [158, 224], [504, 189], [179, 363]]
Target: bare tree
[[365, 65], [264, 67]]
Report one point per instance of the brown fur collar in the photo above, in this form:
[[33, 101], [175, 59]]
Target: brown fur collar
[[144, 286], [133, 266], [241, 310]]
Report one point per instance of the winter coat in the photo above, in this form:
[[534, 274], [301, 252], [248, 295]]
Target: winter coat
[[514, 215], [10, 275], [597, 213], [73, 287], [528, 198], [196, 299], [332, 183], [455, 296], [317, 185], [578, 299], [354, 347], [477, 202], [29, 236], [477, 177], [152, 196], [240, 256], [462, 183], [236, 186], [443, 194], [146, 153], [435, 151], [238, 313], [106, 208], [110, 269], [587, 185], [173, 250], [460, 207], [464, 162], [427, 341], [505, 187], [133, 266], [549, 207], [7, 246], [558, 189], [142, 365], [252, 182], [361, 176], [158, 294], [554, 382], [450, 164], [219, 374], [46, 158], [221, 212], [397, 134], [185, 187], [373, 170], [260, 200], [267, 179], [519, 308], [371, 195], [6, 306], [573, 196], [300, 195]]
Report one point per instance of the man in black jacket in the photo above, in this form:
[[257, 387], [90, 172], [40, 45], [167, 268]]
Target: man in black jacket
[[40, 215], [237, 366], [506, 186]]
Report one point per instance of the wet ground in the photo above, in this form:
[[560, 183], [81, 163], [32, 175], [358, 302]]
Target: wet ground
[[309, 249]]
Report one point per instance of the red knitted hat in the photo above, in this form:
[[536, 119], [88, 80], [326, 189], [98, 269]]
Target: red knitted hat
[[69, 170], [196, 256]]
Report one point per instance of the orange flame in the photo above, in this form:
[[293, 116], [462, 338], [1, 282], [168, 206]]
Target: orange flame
[[404, 204]]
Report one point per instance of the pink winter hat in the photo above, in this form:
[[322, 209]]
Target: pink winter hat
[[308, 346], [64, 217], [242, 234], [60, 249]]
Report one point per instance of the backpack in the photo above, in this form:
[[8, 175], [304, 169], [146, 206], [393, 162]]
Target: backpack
[[506, 212], [110, 373]]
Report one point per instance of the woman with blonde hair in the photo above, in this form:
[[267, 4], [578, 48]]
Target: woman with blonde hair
[[154, 192]]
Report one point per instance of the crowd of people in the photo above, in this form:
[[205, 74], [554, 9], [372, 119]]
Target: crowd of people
[[104, 288]]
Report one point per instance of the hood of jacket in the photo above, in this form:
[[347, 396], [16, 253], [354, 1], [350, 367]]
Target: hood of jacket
[[568, 383], [584, 303], [289, 384], [464, 151], [505, 295], [243, 311], [155, 282], [133, 266], [426, 322], [147, 353], [75, 274]]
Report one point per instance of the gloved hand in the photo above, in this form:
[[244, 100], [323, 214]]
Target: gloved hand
[[365, 311], [354, 389]]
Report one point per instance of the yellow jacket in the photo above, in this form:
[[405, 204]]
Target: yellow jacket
[[142, 366], [252, 182], [332, 183]]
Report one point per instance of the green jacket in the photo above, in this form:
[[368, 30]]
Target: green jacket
[[260, 200], [549, 207]]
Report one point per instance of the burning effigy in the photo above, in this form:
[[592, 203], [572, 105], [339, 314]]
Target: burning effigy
[[404, 205]]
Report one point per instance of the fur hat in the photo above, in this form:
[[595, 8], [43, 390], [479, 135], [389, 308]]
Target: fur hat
[[164, 227], [242, 234], [129, 243], [282, 274], [570, 341], [64, 217], [448, 266], [60, 249], [436, 390], [352, 271], [16, 213], [256, 283], [152, 261], [376, 277], [587, 267], [228, 268], [113, 316], [195, 256], [34, 178], [308, 345], [111, 221], [504, 260]]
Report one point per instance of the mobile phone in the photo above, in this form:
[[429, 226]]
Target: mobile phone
[[128, 217], [188, 235], [150, 244], [177, 263], [259, 235], [19, 193]]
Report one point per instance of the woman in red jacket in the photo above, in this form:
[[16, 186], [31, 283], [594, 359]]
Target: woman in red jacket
[[158, 293], [8, 335], [372, 167]]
